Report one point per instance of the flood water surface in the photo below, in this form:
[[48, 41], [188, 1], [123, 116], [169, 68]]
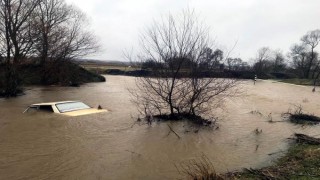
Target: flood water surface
[[39, 145]]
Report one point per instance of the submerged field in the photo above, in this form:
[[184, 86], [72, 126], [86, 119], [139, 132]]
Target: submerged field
[[110, 146]]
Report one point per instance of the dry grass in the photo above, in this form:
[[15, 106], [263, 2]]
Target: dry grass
[[198, 169], [302, 161]]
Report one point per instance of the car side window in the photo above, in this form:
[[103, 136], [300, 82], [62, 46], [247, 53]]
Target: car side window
[[47, 108]]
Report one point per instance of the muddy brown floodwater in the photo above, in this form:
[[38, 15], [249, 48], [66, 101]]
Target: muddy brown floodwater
[[40, 145]]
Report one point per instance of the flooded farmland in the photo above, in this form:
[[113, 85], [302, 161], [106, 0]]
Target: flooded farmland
[[39, 145]]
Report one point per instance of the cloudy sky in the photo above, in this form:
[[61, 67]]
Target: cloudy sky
[[251, 23]]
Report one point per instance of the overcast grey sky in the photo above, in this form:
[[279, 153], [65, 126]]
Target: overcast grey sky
[[252, 23]]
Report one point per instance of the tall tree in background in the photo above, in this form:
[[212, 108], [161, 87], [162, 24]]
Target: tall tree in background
[[304, 56], [262, 60], [75, 39], [312, 40], [211, 59], [48, 17], [16, 33], [235, 63], [278, 61], [299, 56], [63, 35], [48, 30]]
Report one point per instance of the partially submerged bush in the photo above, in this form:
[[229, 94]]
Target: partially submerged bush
[[299, 117], [194, 119], [178, 86], [198, 120], [304, 119]]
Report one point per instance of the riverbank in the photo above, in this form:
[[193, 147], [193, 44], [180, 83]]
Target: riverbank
[[204, 74], [296, 81], [302, 161], [63, 74]]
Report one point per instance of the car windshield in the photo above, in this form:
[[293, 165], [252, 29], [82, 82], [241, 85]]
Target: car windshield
[[71, 106]]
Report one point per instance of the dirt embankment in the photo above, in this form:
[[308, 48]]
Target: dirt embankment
[[64, 74]]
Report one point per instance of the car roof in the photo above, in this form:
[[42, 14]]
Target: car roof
[[71, 113], [52, 103], [84, 112]]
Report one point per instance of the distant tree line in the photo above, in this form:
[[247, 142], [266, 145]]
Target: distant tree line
[[43, 32], [213, 63], [269, 61], [212, 59], [302, 61]]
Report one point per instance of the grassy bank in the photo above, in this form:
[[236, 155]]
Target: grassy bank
[[305, 82], [302, 161]]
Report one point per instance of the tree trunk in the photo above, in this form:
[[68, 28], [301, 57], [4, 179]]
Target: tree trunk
[[310, 64], [11, 81]]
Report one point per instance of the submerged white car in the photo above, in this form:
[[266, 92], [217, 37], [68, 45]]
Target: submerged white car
[[69, 108]]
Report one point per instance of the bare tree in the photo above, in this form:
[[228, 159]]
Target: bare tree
[[262, 60], [279, 61], [64, 31], [312, 40], [235, 64], [269, 61], [48, 29], [299, 55], [212, 59], [64, 35], [177, 87], [15, 32], [49, 17], [304, 56], [77, 40]]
